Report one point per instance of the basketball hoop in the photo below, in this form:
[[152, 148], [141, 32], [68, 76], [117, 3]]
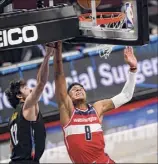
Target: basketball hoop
[[103, 17], [104, 20]]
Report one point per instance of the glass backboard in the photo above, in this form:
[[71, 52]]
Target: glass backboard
[[123, 22]]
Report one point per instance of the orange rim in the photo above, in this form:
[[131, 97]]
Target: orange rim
[[117, 18]]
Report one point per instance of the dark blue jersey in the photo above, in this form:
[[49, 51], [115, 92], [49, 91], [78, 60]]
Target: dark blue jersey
[[27, 137]]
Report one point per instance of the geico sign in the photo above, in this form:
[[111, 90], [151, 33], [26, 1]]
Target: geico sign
[[21, 33]]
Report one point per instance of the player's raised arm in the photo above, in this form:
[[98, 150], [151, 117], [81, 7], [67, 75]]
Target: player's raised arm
[[128, 89], [64, 102], [42, 78]]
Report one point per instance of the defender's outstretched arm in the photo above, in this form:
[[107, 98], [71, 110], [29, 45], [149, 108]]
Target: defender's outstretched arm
[[42, 78]]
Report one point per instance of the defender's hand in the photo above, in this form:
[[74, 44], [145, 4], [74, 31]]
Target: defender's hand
[[130, 58], [50, 49]]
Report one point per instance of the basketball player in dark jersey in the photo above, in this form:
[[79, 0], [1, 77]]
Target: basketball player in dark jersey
[[26, 125], [81, 122]]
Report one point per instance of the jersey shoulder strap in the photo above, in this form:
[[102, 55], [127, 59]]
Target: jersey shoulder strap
[[16, 113]]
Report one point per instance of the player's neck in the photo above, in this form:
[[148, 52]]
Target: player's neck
[[81, 105]]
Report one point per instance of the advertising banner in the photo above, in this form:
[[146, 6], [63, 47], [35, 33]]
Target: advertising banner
[[101, 78]]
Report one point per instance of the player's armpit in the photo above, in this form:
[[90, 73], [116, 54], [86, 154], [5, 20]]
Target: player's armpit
[[66, 109], [66, 104], [103, 106], [65, 115]]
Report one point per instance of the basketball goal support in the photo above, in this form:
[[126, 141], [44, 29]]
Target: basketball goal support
[[8, 8], [94, 19]]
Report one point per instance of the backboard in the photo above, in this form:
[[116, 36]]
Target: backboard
[[118, 22]]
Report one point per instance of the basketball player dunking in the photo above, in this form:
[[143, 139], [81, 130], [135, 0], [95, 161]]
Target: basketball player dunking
[[81, 122], [26, 125]]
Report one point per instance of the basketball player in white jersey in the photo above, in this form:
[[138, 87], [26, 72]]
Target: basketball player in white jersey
[[81, 122]]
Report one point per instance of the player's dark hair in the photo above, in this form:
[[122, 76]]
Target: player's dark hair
[[73, 84], [13, 90]]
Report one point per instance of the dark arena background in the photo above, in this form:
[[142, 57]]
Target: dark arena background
[[130, 132]]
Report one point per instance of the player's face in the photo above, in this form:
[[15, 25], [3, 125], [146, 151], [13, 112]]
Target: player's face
[[25, 91], [77, 93]]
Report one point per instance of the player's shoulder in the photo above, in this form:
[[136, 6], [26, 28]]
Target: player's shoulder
[[13, 118]]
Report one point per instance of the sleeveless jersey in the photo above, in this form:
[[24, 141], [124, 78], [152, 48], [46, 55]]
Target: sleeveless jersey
[[84, 136], [27, 137]]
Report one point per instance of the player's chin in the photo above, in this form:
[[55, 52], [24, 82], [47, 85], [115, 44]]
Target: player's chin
[[79, 98]]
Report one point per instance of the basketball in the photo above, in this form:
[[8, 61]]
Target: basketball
[[86, 4]]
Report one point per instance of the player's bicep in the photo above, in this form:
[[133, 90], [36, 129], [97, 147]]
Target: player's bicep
[[34, 96], [103, 106], [107, 105]]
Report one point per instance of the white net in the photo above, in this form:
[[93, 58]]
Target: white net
[[105, 50], [114, 25]]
